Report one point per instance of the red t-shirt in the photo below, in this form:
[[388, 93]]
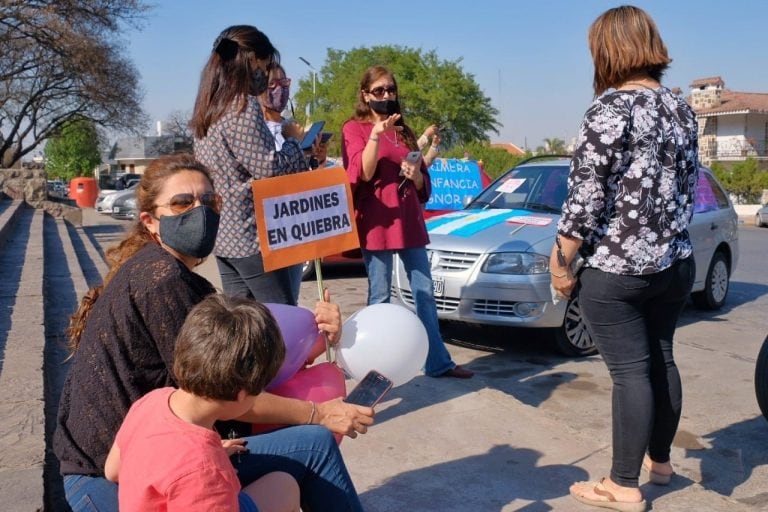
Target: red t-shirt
[[168, 464], [387, 218]]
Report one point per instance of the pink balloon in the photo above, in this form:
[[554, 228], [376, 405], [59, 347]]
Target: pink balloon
[[317, 349], [319, 383], [300, 334]]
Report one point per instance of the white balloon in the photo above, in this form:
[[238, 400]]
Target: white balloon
[[384, 337]]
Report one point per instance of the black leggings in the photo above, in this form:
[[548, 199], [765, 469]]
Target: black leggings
[[245, 277], [632, 320]]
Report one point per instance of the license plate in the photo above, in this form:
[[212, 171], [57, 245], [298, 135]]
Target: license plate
[[116, 209], [438, 286]]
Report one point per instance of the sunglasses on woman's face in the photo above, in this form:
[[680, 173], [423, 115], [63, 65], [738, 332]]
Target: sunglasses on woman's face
[[181, 203], [280, 82], [379, 91]]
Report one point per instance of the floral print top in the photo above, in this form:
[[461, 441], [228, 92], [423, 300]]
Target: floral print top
[[632, 182]]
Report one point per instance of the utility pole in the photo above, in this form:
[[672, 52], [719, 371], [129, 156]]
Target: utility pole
[[314, 87]]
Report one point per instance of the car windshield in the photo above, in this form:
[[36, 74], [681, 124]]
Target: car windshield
[[535, 187]]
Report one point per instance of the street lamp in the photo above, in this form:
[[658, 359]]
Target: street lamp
[[314, 89]]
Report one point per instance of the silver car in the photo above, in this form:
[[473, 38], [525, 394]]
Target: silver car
[[490, 261], [124, 207], [761, 217], [106, 198]]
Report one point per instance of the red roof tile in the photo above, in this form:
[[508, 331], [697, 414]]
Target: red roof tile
[[701, 82], [738, 102], [508, 147]]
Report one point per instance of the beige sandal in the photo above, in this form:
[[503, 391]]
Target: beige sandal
[[608, 499], [653, 476]]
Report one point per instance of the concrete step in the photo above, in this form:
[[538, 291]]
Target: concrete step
[[22, 337], [65, 286], [9, 209]]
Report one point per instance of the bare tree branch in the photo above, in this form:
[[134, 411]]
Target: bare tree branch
[[61, 60]]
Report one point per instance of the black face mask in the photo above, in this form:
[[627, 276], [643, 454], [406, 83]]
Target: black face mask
[[192, 233], [259, 82], [384, 107]]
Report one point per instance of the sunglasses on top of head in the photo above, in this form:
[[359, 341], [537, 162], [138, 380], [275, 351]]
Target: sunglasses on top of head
[[181, 203], [378, 92]]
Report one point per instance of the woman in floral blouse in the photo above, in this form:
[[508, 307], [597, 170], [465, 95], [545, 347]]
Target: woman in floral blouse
[[630, 199]]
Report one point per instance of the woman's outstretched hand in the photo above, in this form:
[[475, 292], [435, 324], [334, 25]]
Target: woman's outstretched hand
[[342, 418], [387, 124]]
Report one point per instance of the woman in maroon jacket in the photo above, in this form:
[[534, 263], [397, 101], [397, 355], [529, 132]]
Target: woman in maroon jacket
[[389, 192]]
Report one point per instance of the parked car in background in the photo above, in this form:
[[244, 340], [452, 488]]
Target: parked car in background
[[761, 217], [57, 188], [106, 198], [124, 207], [490, 261]]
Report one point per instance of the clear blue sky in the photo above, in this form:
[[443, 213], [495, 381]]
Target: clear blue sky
[[530, 58]]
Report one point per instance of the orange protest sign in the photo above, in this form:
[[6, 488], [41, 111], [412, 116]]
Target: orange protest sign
[[304, 216]]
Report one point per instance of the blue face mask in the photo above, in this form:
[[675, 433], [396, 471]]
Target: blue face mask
[[192, 233]]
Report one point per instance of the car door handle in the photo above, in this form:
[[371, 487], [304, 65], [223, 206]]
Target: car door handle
[[713, 226]]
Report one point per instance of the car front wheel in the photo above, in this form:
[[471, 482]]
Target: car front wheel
[[716, 286], [761, 379], [572, 338], [759, 221]]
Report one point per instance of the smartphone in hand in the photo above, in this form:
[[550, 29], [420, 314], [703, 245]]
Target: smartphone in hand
[[413, 157], [311, 135], [370, 390]]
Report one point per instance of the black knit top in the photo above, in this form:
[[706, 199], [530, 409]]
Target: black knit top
[[126, 350]]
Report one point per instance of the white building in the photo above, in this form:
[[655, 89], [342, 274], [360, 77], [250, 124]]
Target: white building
[[733, 125]]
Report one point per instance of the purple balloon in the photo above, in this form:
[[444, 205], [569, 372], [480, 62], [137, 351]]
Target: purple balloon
[[299, 331]]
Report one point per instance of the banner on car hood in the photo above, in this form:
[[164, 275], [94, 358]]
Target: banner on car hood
[[470, 222]]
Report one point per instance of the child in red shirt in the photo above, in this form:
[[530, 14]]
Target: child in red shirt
[[167, 455]]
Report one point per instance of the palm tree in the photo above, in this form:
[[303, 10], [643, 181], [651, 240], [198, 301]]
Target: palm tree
[[554, 146]]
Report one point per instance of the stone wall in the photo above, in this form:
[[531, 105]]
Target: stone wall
[[31, 185]]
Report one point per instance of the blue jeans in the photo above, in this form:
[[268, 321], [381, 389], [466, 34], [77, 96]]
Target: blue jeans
[[296, 278], [96, 494], [378, 265], [632, 320], [245, 277], [90, 493], [308, 452]]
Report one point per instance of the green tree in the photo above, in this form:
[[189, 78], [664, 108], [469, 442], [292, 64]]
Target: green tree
[[62, 60], [430, 91], [74, 151], [552, 146], [745, 179]]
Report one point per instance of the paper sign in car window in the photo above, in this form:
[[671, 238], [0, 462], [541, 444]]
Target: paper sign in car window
[[510, 185], [304, 216]]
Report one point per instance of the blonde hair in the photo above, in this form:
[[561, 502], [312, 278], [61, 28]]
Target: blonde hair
[[625, 44]]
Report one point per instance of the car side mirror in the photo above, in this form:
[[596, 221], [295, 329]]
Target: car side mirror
[[467, 200]]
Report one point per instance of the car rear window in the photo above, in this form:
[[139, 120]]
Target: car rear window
[[709, 196]]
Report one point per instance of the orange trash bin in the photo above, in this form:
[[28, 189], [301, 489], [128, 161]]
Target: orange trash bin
[[84, 191]]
